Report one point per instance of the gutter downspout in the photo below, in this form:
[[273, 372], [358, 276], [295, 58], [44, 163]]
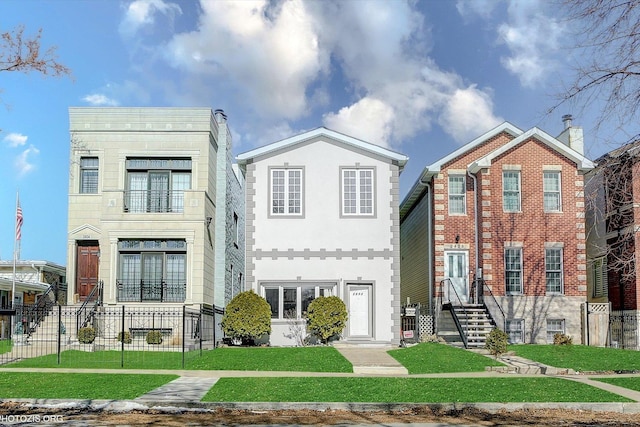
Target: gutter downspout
[[477, 227], [427, 185]]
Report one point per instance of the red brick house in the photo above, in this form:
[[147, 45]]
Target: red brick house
[[494, 235], [613, 212]]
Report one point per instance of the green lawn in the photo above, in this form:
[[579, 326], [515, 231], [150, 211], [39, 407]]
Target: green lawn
[[306, 359], [431, 358], [580, 358], [632, 383], [35, 385], [5, 346], [398, 390]]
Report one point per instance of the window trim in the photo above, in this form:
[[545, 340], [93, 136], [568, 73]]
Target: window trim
[[235, 230], [298, 286], [519, 191], [286, 168], [359, 213], [558, 192], [463, 194], [563, 329], [520, 270], [547, 271], [521, 330], [84, 168]]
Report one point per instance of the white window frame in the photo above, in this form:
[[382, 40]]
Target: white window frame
[[548, 192], [549, 272], [361, 207], [519, 287], [515, 330], [89, 169], [552, 328], [289, 193], [320, 289], [507, 194], [457, 197]]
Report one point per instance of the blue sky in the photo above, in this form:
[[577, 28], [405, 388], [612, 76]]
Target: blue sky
[[421, 78]]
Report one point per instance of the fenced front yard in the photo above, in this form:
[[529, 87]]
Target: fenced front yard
[[114, 335]]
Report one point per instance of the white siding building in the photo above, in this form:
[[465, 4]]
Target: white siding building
[[322, 219]]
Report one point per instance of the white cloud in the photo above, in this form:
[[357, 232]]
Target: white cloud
[[468, 113], [483, 8], [15, 139], [533, 38], [98, 99], [141, 13], [23, 162], [368, 119]]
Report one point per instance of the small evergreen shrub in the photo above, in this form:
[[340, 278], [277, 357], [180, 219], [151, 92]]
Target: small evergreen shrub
[[326, 317], [562, 339], [497, 342], [126, 337], [86, 335], [154, 337], [247, 317]]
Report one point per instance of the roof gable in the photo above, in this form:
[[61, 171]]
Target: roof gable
[[289, 143]]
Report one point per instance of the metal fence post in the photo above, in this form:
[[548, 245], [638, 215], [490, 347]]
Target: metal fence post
[[184, 326], [122, 340], [59, 330]]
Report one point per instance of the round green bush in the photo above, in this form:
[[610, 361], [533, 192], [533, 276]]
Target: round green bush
[[247, 317], [154, 337], [326, 317], [86, 335], [497, 341], [126, 337]]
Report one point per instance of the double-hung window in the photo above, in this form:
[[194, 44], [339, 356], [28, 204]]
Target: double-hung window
[[457, 194], [358, 192], [551, 189], [89, 175], [286, 191], [152, 270], [554, 326], [553, 270], [511, 191], [515, 330], [513, 270], [157, 185], [291, 300]]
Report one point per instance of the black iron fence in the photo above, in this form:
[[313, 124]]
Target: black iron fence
[[113, 336]]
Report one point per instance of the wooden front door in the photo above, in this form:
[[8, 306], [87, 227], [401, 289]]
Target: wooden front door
[[87, 269]]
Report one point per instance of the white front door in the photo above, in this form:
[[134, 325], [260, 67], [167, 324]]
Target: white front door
[[455, 266], [359, 310]]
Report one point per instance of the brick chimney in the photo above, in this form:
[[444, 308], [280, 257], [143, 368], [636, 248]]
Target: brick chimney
[[571, 135]]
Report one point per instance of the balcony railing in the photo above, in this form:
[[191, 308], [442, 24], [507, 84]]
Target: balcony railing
[[143, 201], [142, 291]]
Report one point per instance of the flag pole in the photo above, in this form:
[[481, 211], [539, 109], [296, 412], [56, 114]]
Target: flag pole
[[16, 243]]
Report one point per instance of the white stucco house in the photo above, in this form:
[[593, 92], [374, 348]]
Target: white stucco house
[[322, 218]]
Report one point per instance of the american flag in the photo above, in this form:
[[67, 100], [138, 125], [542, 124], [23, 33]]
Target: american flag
[[19, 220]]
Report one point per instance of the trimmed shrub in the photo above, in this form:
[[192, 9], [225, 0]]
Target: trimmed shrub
[[562, 339], [154, 337], [497, 342], [326, 317], [126, 338], [247, 317], [86, 335]]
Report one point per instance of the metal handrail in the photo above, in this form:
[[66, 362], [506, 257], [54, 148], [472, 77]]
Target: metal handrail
[[495, 301], [41, 309], [463, 335], [96, 293]]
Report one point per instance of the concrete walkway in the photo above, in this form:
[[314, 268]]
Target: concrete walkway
[[190, 388]]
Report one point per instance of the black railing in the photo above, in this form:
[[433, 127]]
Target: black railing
[[143, 201], [43, 307], [151, 291], [87, 310], [486, 294], [456, 303]]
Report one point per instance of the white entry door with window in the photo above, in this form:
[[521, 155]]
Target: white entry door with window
[[456, 268]]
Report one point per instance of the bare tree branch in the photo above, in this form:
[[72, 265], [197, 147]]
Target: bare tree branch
[[24, 54]]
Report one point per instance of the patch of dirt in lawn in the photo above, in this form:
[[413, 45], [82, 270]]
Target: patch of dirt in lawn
[[418, 414]]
